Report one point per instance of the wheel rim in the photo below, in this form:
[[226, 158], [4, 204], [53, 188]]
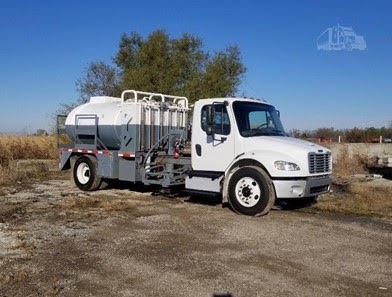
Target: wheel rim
[[247, 191], [83, 173]]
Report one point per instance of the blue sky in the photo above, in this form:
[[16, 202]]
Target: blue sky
[[46, 45]]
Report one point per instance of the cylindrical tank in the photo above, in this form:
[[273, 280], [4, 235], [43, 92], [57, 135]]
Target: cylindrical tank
[[101, 114], [128, 124]]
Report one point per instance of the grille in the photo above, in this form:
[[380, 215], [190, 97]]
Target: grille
[[319, 163]]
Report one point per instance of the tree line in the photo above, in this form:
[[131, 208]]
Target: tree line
[[353, 135]]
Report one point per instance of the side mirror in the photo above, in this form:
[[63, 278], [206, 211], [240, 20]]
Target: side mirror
[[210, 115], [278, 112]]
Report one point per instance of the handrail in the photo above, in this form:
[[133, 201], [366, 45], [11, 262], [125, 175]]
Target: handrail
[[182, 98], [95, 128], [163, 97]]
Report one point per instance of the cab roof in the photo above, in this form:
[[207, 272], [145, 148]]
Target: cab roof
[[232, 99]]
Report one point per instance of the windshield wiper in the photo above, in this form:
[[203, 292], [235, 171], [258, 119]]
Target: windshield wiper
[[280, 132], [267, 132]]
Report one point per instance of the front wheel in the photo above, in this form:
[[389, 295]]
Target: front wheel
[[85, 173], [251, 191]]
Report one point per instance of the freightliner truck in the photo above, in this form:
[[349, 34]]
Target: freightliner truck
[[238, 149]]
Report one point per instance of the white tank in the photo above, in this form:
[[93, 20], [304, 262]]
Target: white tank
[[141, 117], [101, 112]]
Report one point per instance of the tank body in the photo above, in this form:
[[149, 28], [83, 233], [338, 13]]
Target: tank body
[[124, 125], [104, 113]]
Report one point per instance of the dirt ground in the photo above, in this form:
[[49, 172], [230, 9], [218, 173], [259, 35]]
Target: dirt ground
[[58, 241]]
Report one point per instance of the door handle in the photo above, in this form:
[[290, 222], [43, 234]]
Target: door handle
[[198, 149]]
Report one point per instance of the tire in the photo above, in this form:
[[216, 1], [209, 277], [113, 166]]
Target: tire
[[251, 191], [85, 173]]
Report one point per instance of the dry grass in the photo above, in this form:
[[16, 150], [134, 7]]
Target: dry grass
[[10, 175], [354, 195], [360, 198], [347, 163], [116, 205], [109, 204], [14, 148], [81, 203], [27, 147]]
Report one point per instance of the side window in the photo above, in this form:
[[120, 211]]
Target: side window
[[221, 119], [204, 118]]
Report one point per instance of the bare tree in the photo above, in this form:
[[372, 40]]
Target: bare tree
[[99, 79]]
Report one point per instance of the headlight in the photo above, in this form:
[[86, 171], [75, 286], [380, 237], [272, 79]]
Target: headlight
[[287, 166]]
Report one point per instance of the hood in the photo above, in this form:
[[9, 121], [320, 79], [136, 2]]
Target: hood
[[293, 147], [268, 149]]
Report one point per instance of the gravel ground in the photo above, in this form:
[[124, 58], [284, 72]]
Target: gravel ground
[[58, 241]]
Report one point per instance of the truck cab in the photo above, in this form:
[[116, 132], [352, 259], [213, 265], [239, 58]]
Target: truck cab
[[240, 149]]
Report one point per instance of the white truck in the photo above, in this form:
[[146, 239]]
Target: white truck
[[238, 149], [340, 38]]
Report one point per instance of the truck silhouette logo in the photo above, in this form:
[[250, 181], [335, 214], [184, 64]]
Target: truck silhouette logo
[[339, 38]]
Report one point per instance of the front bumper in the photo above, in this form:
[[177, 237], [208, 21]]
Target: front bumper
[[309, 187]]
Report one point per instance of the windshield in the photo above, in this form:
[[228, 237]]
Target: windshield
[[323, 38], [257, 119]]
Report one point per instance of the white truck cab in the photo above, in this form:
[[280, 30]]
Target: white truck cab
[[239, 148]]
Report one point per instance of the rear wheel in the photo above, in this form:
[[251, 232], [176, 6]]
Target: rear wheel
[[251, 191], [85, 173]]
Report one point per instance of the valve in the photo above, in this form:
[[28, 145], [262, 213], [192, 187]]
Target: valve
[[177, 151]]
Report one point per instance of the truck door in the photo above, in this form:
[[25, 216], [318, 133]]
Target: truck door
[[213, 152]]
